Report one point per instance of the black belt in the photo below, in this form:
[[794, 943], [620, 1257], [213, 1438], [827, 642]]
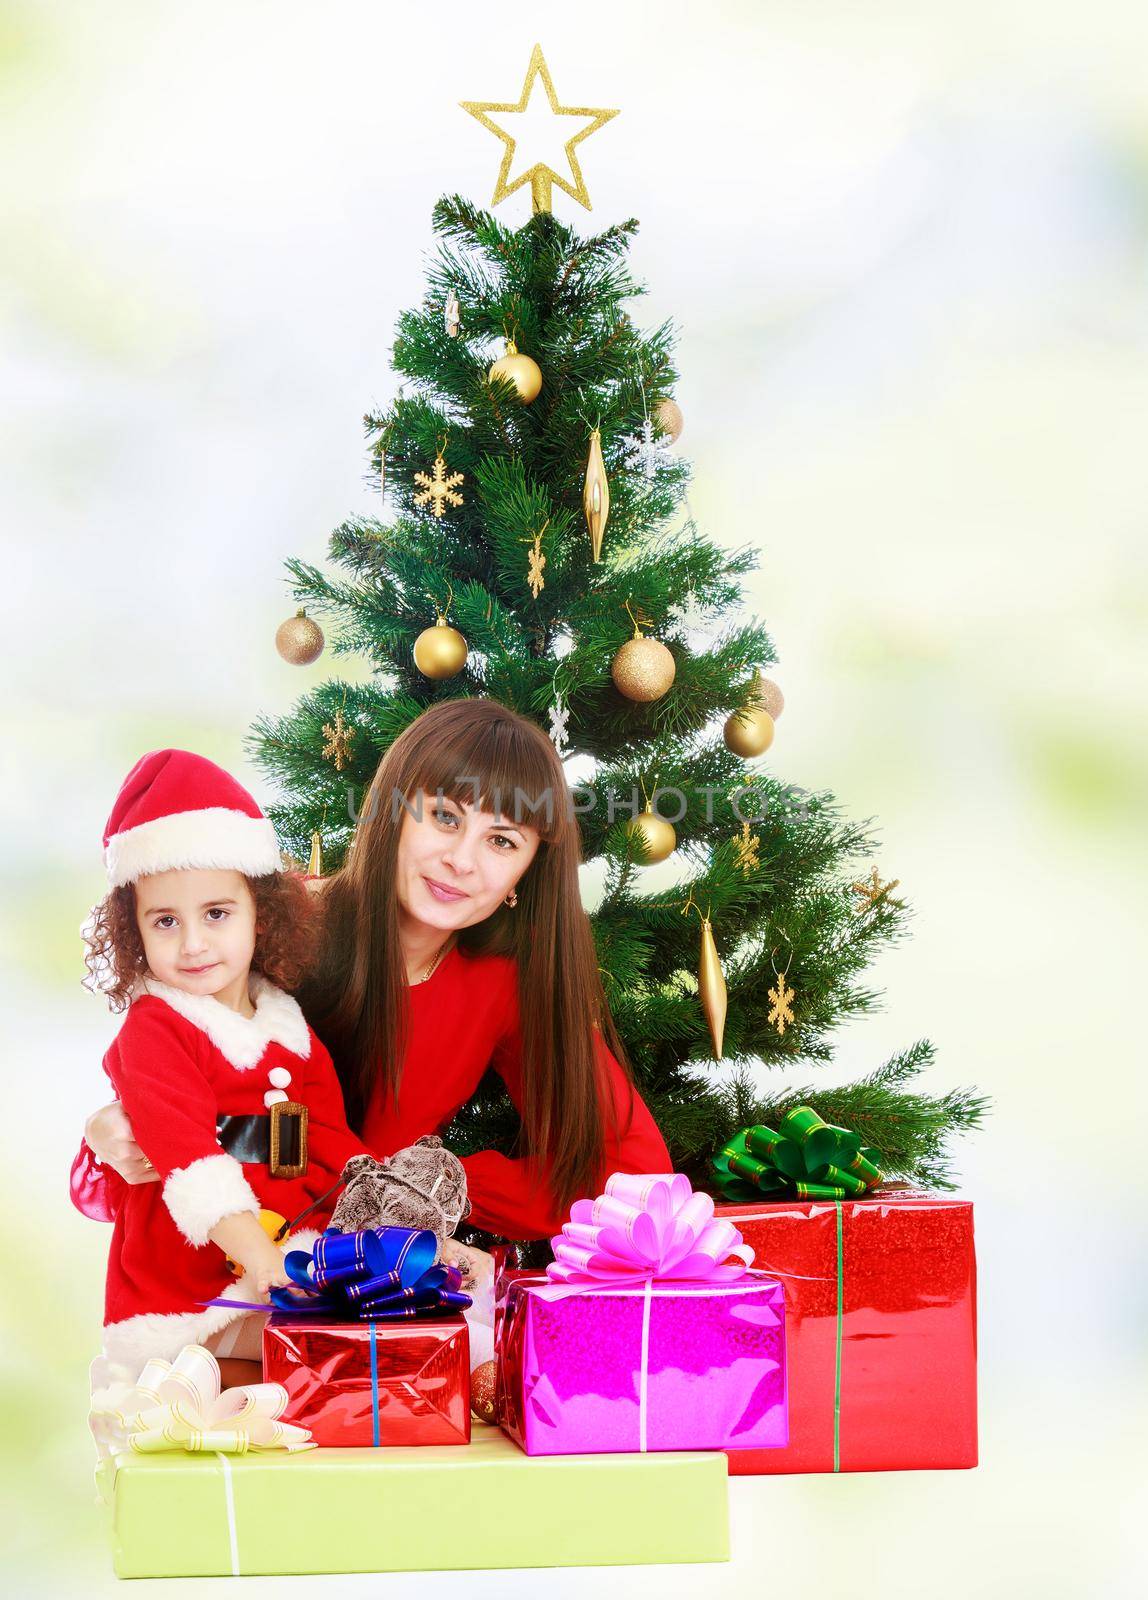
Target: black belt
[[277, 1141]]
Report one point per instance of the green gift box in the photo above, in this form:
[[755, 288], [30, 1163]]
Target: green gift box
[[178, 1515]]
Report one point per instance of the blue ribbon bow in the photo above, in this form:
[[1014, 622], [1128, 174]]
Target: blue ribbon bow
[[379, 1274]]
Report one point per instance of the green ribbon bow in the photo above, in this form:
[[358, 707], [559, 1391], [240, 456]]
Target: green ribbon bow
[[807, 1157]]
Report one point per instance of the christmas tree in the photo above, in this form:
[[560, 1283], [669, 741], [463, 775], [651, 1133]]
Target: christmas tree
[[500, 494]]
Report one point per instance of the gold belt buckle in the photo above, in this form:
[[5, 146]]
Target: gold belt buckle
[[288, 1154]]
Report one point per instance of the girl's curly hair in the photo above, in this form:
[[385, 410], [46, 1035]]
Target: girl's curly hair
[[285, 935]]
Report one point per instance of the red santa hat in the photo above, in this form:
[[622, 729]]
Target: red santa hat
[[177, 809]]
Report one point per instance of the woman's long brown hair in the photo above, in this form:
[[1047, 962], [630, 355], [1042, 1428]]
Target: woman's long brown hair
[[480, 753]]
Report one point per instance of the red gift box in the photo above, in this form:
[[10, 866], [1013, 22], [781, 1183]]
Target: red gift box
[[373, 1383], [880, 1328]]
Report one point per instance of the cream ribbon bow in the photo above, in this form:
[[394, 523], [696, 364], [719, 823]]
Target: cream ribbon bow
[[178, 1405]]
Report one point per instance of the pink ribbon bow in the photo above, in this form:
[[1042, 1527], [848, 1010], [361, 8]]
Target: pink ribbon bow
[[647, 1227]]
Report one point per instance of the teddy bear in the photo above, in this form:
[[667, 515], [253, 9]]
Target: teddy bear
[[422, 1185]]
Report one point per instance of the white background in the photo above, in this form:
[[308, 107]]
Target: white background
[[905, 244]]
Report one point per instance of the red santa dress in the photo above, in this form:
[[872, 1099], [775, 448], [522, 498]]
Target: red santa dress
[[179, 1063]]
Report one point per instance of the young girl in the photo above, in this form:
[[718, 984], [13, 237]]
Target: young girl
[[234, 1101]]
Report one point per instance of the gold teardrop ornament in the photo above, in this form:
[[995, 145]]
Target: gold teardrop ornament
[[596, 495], [711, 987]]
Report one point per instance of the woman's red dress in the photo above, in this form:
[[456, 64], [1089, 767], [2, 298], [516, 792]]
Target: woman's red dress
[[464, 1019]]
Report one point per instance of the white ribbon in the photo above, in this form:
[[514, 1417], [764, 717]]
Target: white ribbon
[[232, 1528]]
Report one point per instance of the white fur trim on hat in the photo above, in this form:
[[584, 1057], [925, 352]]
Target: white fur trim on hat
[[241, 1040], [214, 837], [202, 1194]]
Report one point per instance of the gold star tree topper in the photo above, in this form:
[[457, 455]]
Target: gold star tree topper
[[540, 176]]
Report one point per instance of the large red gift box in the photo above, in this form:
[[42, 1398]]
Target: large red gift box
[[372, 1383], [880, 1328]]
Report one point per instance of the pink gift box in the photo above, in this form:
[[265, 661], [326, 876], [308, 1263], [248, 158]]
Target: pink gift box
[[680, 1365]]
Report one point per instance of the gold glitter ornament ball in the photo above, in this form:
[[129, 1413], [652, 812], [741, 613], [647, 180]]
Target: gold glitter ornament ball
[[299, 640], [643, 669], [522, 371], [768, 696], [440, 652], [670, 419], [483, 1394], [656, 833], [749, 732]]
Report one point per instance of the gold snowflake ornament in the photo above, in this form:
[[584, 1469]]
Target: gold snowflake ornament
[[747, 846], [781, 1011], [438, 488], [872, 892], [339, 740], [534, 579]]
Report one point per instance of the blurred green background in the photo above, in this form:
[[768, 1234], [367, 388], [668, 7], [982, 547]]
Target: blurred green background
[[906, 245]]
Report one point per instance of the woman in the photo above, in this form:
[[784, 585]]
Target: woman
[[454, 941]]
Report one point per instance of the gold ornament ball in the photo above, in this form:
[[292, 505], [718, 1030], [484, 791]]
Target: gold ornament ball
[[522, 371], [440, 652], [643, 669], [299, 640], [670, 419], [768, 696], [749, 732], [656, 833], [483, 1391]]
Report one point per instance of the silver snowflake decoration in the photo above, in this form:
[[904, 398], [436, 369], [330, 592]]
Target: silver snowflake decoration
[[645, 451], [559, 717]]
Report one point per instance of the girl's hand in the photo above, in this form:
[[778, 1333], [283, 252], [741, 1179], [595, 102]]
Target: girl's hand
[[111, 1140], [241, 1238]]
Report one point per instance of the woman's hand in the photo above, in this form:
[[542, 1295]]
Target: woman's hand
[[272, 1274], [110, 1138], [477, 1266]]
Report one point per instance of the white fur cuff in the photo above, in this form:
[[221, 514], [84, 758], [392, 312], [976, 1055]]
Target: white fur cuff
[[204, 1193]]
